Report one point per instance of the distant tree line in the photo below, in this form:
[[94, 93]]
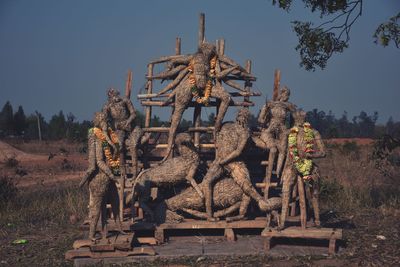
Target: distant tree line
[[61, 126]]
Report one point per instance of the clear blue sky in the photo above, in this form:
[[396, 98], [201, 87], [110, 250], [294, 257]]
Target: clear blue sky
[[63, 55]]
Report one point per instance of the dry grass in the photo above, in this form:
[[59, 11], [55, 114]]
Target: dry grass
[[354, 195]]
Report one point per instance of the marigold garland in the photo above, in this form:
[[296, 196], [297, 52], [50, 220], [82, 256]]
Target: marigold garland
[[303, 165], [207, 91], [112, 160]]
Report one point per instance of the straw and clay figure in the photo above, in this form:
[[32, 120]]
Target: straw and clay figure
[[230, 143], [170, 172], [100, 176], [305, 144], [274, 133], [228, 198], [195, 77]]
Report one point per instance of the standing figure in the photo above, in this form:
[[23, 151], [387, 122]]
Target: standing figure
[[305, 144], [99, 175], [230, 143], [121, 112], [274, 136]]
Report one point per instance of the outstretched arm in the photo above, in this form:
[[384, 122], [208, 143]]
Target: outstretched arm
[[131, 109], [262, 118], [320, 151]]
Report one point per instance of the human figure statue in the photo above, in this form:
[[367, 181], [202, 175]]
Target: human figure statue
[[120, 111], [230, 143], [274, 133], [305, 144], [170, 172], [100, 175]]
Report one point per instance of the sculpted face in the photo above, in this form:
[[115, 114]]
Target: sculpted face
[[113, 95], [243, 116], [100, 120], [285, 93], [208, 49]]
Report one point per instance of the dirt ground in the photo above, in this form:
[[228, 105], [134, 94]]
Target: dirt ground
[[371, 235]]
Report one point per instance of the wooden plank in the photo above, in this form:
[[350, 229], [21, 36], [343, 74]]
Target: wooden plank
[[197, 224], [86, 253], [232, 94], [277, 84], [149, 91], [312, 233]]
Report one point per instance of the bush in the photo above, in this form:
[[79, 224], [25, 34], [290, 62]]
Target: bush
[[11, 162], [8, 189]]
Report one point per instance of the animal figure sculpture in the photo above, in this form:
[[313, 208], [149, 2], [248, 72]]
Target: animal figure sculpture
[[274, 133], [170, 172], [199, 76], [305, 144], [100, 177], [230, 143], [228, 198]]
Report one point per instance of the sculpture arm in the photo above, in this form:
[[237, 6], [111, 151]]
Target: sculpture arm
[[91, 159], [236, 153], [131, 110], [100, 161], [262, 117], [190, 178], [320, 151]]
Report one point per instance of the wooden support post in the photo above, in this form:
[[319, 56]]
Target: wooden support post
[[267, 243], [201, 29], [38, 124], [229, 234], [159, 235], [178, 46], [149, 91], [247, 84], [302, 201], [128, 84], [277, 85], [332, 246], [197, 123]]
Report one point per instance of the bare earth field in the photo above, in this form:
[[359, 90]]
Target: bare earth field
[[47, 208]]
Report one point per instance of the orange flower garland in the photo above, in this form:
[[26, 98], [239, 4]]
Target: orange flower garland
[[112, 160], [207, 91]]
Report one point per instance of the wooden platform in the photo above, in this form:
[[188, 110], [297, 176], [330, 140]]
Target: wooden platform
[[229, 227], [114, 246], [330, 234]]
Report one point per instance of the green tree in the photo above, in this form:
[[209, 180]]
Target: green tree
[[19, 121], [317, 43], [57, 126], [7, 120]]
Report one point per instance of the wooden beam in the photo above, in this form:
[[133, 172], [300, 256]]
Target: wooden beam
[[193, 104], [277, 84], [201, 29], [149, 91], [178, 46]]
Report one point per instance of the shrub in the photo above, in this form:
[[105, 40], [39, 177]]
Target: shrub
[[8, 189]]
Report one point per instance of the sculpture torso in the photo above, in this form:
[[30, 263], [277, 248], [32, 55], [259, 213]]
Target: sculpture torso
[[229, 137]]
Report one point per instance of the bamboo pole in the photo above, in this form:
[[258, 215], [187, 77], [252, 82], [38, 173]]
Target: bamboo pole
[[201, 29], [149, 91], [39, 128], [193, 104], [247, 84], [197, 108], [233, 94], [128, 84], [178, 46], [277, 81]]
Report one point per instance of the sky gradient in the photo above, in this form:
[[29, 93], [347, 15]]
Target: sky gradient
[[63, 55]]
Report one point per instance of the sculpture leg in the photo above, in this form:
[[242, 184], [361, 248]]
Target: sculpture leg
[[315, 198], [244, 204], [98, 189], [213, 174], [175, 120], [95, 209], [219, 93], [302, 201], [282, 149], [144, 190], [288, 177], [241, 176]]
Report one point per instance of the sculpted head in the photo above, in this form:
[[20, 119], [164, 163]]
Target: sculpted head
[[113, 95], [100, 120], [242, 117], [208, 49], [285, 94], [299, 117]]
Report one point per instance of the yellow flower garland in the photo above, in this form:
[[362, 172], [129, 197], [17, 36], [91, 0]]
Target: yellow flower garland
[[112, 160], [303, 165], [209, 85]]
